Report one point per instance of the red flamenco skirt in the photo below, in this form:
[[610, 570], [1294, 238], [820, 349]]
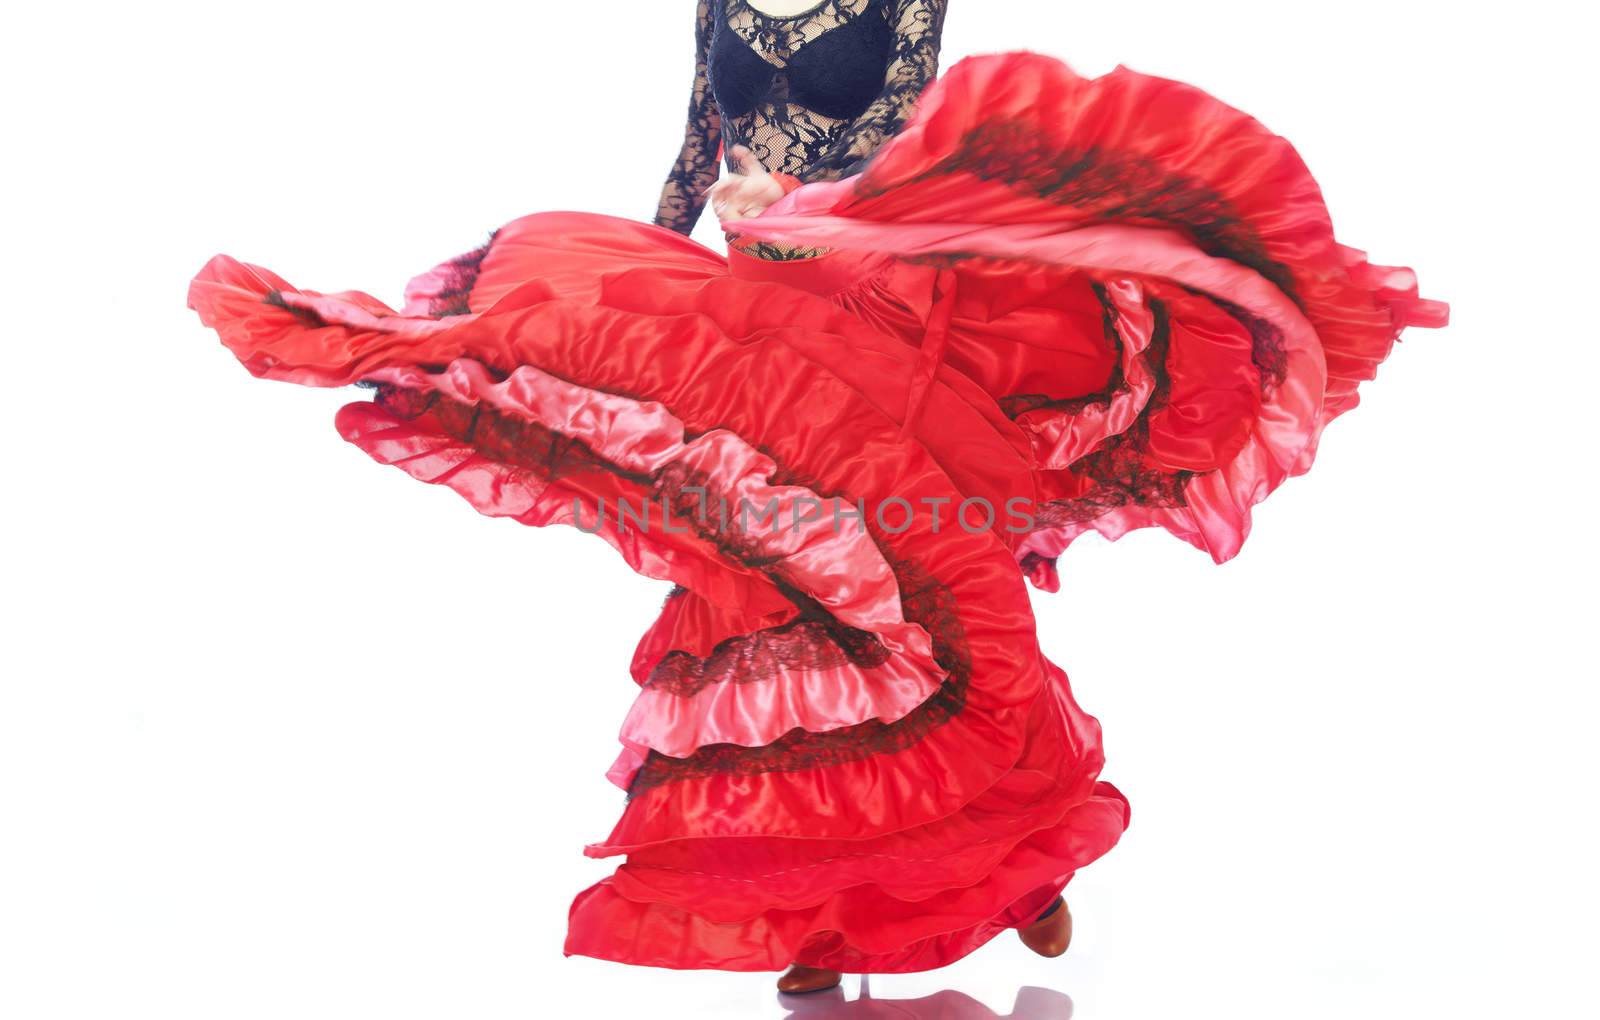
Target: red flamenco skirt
[[1051, 305]]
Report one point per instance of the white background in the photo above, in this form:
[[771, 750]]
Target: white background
[[286, 734]]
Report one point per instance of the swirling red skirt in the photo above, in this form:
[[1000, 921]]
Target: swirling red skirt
[[1051, 306]]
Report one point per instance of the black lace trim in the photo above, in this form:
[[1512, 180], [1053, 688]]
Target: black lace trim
[[305, 315], [1117, 469], [548, 454], [774, 252], [1267, 351], [800, 644], [461, 276]]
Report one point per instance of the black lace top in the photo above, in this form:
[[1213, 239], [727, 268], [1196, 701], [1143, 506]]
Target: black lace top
[[812, 94]]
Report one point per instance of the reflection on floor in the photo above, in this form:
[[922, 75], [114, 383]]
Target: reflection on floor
[[1031, 1004]]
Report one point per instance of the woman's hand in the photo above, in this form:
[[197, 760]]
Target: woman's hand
[[746, 191]]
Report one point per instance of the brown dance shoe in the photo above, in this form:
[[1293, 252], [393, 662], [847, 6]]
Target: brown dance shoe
[[800, 980], [1051, 934]]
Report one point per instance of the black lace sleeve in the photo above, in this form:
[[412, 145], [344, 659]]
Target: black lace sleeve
[[683, 196], [913, 63]]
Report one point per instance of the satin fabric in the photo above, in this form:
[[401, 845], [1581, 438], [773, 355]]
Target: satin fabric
[[1116, 302]]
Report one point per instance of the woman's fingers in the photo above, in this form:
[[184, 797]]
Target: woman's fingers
[[745, 191], [747, 161], [721, 194], [731, 189]]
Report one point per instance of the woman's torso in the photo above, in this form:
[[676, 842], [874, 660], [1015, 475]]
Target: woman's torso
[[790, 86]]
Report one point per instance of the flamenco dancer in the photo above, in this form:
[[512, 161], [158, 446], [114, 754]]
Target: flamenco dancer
[[983, 315]]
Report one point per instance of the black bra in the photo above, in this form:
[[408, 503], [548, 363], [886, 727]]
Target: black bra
[[838, 74]]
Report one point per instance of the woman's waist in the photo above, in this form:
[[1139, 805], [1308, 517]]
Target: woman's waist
[[773, 251], [824, 271]]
